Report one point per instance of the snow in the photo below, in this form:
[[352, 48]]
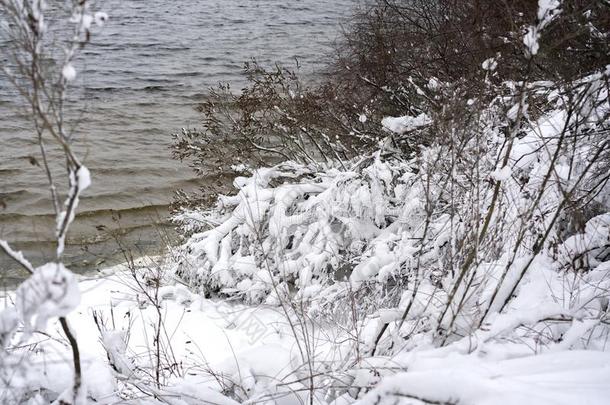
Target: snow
[[100, 18], [226, 353], [566, 378], [401, 125], [68, 72], [489, 64], [253, 349], [9, 321], [502, 174], [530, 40], [516, 110], [16, 255], [86, 21], [80, 180], [589, 244], [203, 332], [547, 11], [52, 291], [83, 178], [510, 330]]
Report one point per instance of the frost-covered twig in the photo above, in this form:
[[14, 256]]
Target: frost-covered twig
[[51, 290], [79, 180], [17, 256]]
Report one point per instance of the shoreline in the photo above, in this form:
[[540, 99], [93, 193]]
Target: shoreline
[[91, 257]]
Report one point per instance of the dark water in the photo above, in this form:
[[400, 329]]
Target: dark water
[[139, 81]]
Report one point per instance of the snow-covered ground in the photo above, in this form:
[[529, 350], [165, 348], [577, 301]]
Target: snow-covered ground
[[212, 348], [199, 337]]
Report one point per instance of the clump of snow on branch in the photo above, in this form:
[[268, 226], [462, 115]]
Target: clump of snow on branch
[[401, 125], [52, 291], [547, 11], [79, 181], [490, 64], [69, 72]]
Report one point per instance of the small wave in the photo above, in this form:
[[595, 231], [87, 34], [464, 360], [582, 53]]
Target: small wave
[[107, 89], [9, 172], [155, 88], [6, 196], [157, 46], [156, 80], [148, 209], [147, 233], [194, 74], [128, 170], [157, 208]]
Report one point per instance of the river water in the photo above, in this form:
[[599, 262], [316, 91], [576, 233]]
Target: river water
[[138, 82]]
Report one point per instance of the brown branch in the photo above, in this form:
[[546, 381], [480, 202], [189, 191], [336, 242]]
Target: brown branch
[[75, 356]]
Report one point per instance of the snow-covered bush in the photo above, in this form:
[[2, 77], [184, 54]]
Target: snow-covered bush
[[443, 240], [292, 226], [476, 233], [491, 243], [276, 117]]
